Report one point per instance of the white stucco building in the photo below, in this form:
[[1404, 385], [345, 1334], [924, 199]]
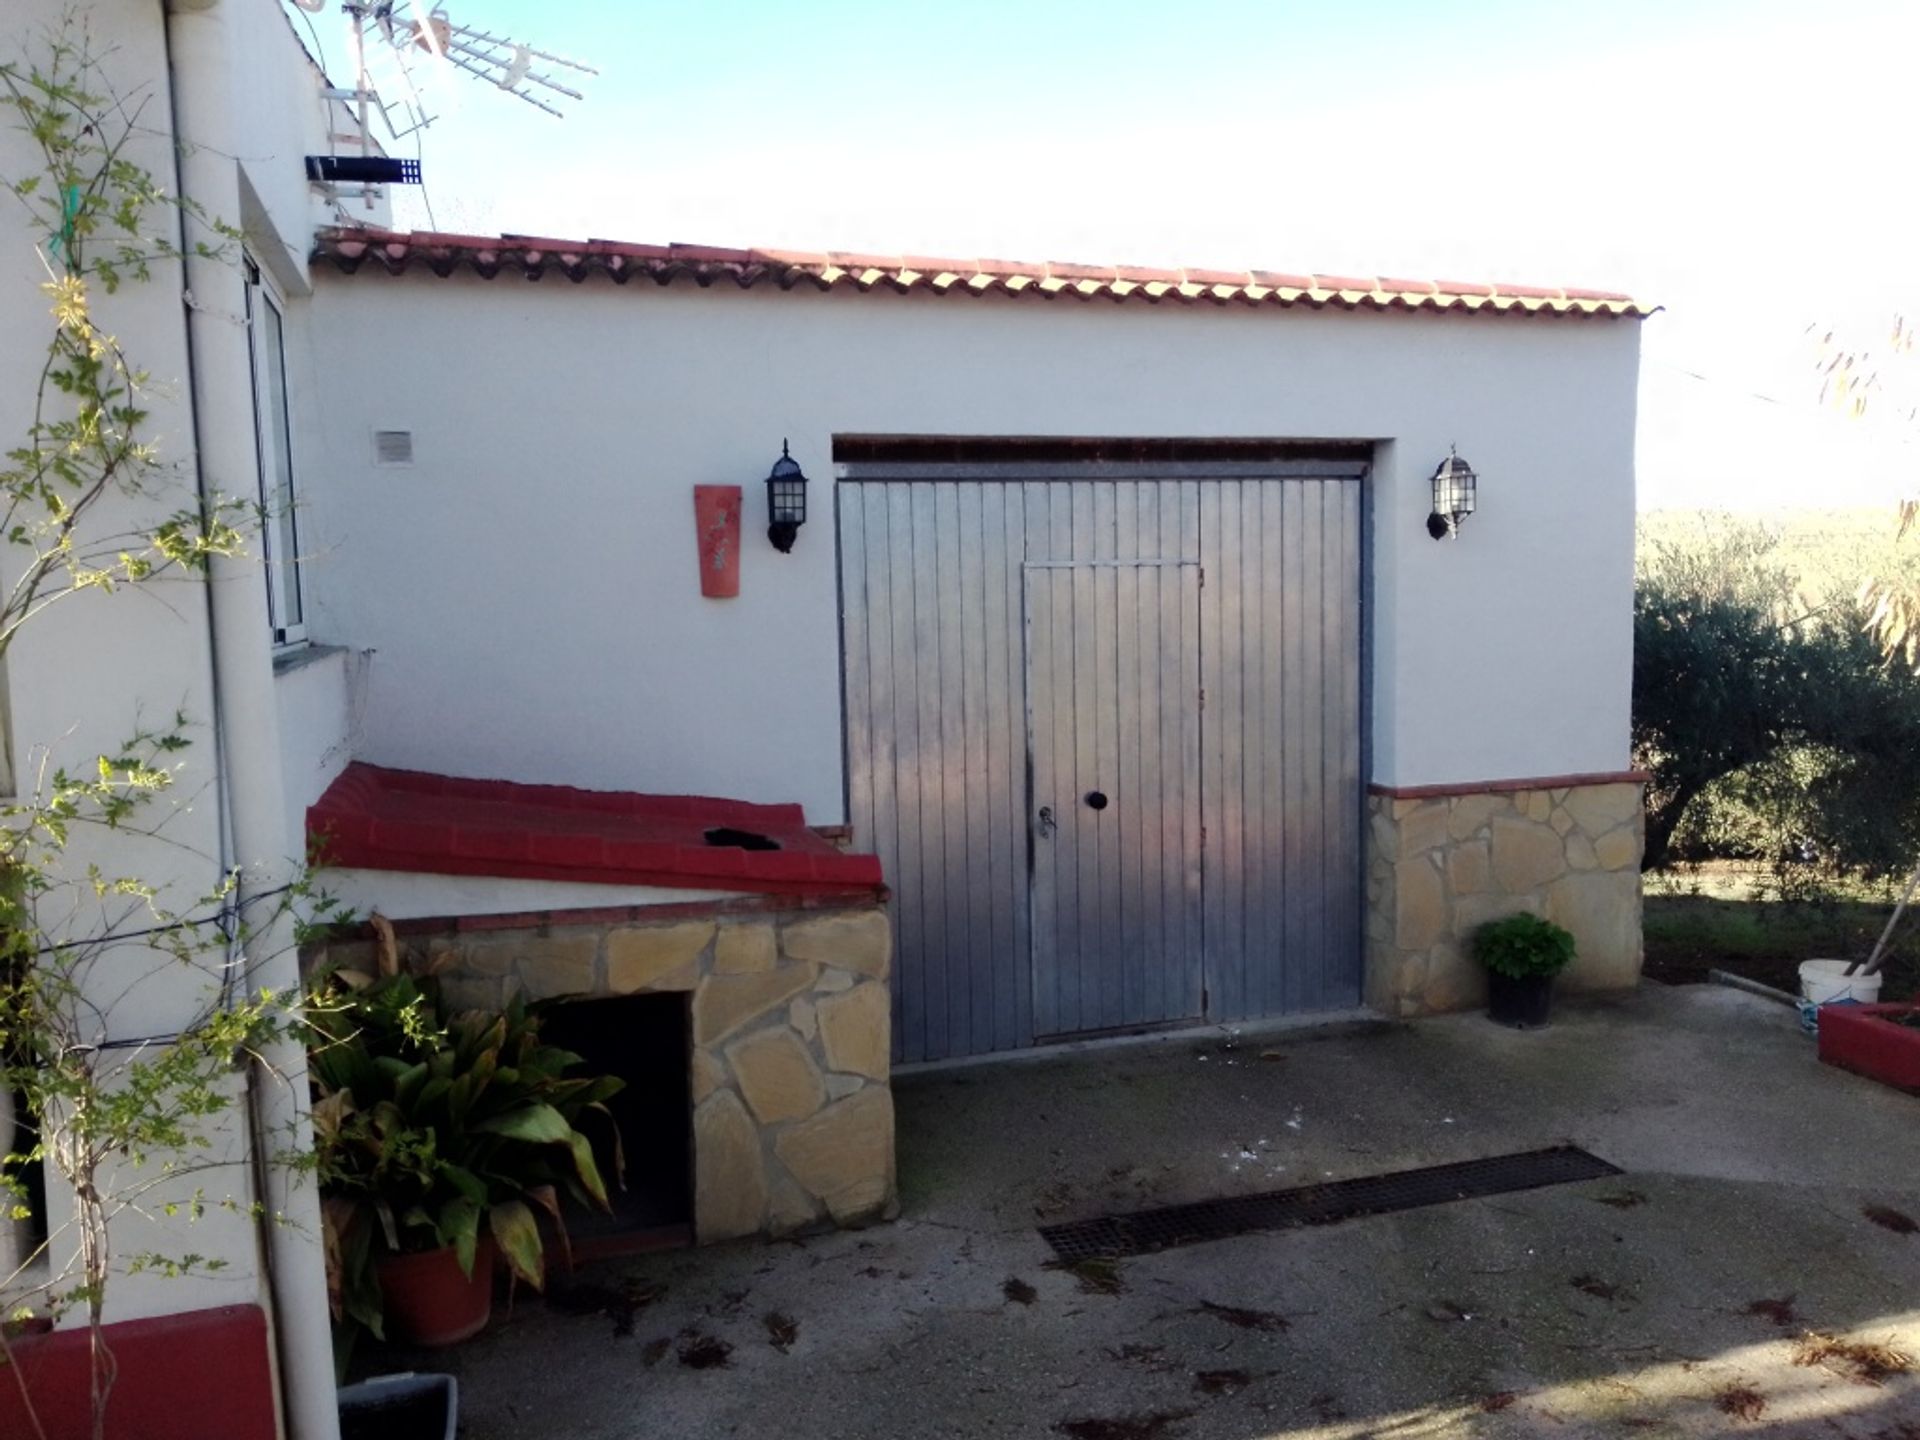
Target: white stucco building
[[222, 105], [1114, 629], [1270, 438]]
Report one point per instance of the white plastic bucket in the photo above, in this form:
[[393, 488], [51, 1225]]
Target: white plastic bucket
[[1826, 982]]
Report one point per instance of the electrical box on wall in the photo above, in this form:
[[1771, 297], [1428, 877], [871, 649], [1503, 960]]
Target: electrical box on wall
[[392, 447]]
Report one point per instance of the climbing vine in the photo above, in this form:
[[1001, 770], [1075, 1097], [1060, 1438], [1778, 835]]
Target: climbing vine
[[130, 1121]]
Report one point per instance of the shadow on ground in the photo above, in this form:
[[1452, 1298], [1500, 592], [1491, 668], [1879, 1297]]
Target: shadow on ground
[[1761, 1206]]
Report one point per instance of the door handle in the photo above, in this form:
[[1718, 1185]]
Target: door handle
[[1044, 823]]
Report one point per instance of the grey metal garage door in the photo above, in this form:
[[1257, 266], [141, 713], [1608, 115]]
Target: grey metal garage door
[[1103, 730]]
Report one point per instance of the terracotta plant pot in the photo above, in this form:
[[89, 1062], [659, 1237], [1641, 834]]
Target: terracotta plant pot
[[1870, 1040], [716, 518], [429, 1302], [1523, 1002]]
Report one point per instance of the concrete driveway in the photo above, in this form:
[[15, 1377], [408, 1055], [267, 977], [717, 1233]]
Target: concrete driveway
[[1679, 1298]]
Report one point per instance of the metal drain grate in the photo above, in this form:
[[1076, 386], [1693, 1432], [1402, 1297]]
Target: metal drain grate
[[1114, 1237]]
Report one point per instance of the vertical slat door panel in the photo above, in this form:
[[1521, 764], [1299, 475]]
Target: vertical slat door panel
[[1043, 634], [1190, 739], [1285, 870], [1093, 955], [969, 759], [1342, 981], [936, 738], [949, 699], [1190, 647], [903, 685]]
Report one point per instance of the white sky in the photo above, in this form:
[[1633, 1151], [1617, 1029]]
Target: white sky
[[1746, 164]]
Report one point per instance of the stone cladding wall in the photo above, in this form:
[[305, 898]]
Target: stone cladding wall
[[1439, 867], [790, 1018]]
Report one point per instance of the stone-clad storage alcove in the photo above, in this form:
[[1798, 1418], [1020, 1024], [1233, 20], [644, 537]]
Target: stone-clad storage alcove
[[789, 1037]]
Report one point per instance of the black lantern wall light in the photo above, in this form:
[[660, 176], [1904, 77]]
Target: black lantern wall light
[[1453, 495], [786, 501]]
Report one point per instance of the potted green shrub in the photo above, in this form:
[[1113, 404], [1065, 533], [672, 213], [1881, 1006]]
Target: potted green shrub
[[1522, 953], [438, 1138]]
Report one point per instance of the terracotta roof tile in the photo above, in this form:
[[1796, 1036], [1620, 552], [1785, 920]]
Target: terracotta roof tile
[[938, 265], [812, 258], [1011, 267], [1144, 274], [1282, 280], [534, 256], [1230, 278], [1063, 270], [712, 254], [854, 260]]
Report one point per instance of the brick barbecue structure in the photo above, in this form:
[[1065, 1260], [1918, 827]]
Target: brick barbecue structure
[[786, 980]]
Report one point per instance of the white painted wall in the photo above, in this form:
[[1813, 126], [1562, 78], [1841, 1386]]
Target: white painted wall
[[85, 678], [407, 896], [99, 667], [530, 584], [319, 693], [285, 118]]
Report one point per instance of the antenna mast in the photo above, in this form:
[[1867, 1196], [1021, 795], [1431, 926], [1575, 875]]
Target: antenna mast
[[415, 36]]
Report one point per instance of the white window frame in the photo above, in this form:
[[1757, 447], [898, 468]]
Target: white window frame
[[279, 493]]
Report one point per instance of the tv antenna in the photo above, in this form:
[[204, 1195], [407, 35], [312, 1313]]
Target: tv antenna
[[399, 46]]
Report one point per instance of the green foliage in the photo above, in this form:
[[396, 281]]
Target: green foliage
[[1771, 724], [1858, 382], [1714, 679], [1523, 945], [428, 1124], [104, 218], [142, 1110], [124, 1119]]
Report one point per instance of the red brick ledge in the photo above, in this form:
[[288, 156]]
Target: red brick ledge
[[161, 1392], [1503, 787], [376, 818]]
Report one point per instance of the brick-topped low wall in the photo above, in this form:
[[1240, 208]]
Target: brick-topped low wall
[[791, 1042], [1440, 865]]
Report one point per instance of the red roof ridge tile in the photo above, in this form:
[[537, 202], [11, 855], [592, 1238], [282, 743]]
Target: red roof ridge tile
[[349, 249]]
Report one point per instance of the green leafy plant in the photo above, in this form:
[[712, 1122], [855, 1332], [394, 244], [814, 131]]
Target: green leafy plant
[[1521, 946], [122, 1119], [430, 1126]]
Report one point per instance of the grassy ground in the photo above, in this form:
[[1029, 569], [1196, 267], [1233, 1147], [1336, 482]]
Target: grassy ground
[[1725, 917]]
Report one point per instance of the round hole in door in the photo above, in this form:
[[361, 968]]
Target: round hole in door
[[1096, 799]]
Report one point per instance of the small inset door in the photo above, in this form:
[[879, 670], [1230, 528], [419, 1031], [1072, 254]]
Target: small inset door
[[1113, 740]]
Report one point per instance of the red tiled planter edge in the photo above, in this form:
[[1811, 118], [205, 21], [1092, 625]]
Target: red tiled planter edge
[[1865, 1040], [201, 1375]]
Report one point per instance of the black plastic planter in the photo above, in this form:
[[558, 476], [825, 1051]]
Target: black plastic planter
[[1523, 1002], [400, 1407]]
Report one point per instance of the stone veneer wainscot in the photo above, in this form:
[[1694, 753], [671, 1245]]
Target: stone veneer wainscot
[[791, 1043], [1440, 866]]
